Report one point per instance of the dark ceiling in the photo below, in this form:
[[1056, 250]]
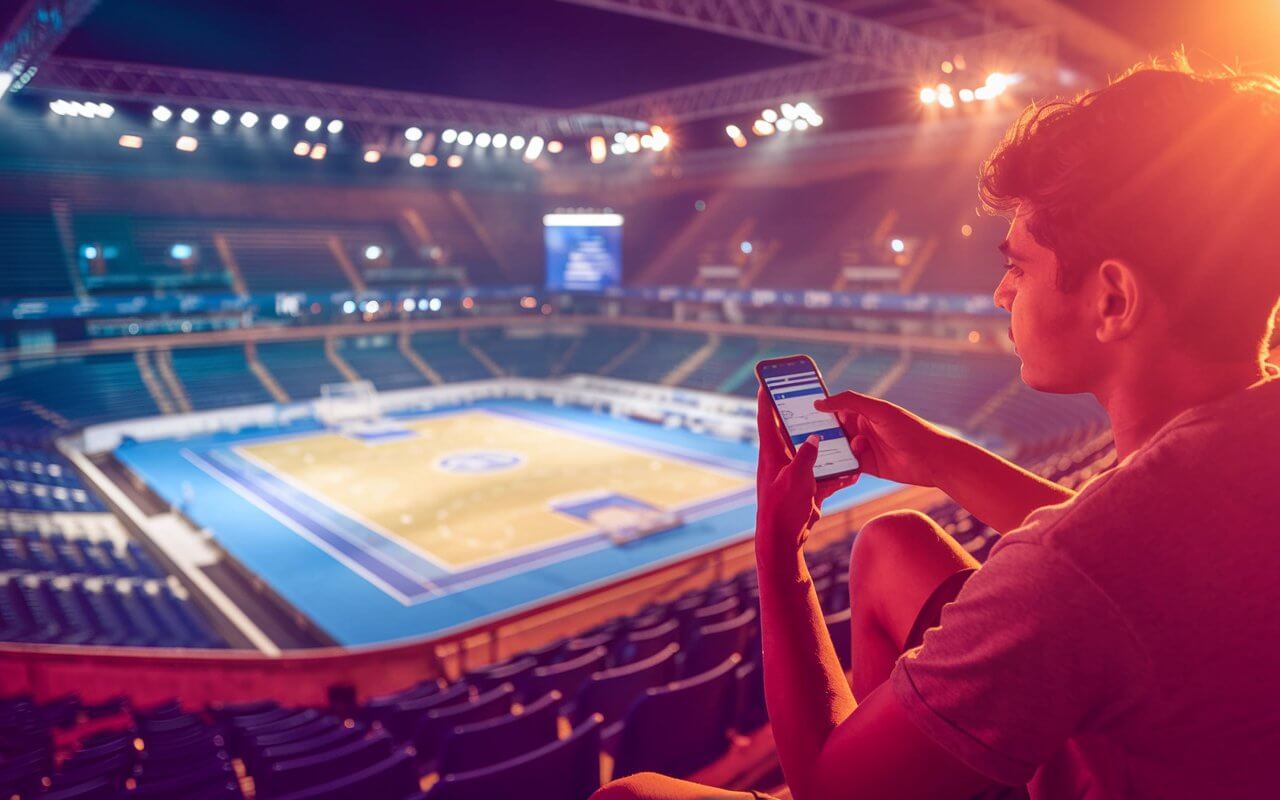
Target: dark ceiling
[[536, 52]]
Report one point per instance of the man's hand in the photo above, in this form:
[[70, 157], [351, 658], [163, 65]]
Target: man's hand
[[788, 497], [888, 440]]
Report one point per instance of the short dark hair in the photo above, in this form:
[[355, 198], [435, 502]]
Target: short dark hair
[[1174, 171]]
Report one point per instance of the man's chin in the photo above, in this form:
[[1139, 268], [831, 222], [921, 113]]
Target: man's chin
[[1050, 384]]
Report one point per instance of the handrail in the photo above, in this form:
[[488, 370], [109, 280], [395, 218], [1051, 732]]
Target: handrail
[[200, 677]]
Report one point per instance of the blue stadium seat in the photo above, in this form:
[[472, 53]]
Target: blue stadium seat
[[565, 677], [681, 727], [481, 744], [642, 643], [393, 778], [433, 727], [568, 769], [612, 692], [306, 772], [713, 643]]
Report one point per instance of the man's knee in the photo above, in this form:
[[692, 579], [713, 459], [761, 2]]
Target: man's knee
[[892, 538], [652, 786]]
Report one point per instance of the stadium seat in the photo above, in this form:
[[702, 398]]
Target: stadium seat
[[611, 692], [481, 744], [839, 631], [712, 644], [568, 769], [298, 774], [393, 778], [681, 727], [639, 644], [565, 677], [513, 671], [433, 727]]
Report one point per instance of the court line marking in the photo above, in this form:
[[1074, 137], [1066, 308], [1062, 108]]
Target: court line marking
[[737, 469], [359, 569], [339, 508]]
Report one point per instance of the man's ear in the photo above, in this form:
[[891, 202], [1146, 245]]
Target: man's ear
[[1119, 303]]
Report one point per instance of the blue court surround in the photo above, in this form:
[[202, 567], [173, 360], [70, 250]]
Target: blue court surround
[[364, 588]]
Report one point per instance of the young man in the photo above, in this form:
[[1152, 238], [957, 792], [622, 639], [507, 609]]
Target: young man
[[1122, 641]]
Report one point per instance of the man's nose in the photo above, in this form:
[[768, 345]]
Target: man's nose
[[1003, 295]]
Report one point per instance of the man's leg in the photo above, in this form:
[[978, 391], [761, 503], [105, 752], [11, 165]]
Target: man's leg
[[651, 786], [899, 559]]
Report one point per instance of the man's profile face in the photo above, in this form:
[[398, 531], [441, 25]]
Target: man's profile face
[[1051, 328]]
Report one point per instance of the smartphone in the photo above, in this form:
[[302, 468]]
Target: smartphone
[[793, 383]]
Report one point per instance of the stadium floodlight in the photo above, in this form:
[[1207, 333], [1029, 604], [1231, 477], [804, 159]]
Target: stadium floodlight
[[997, 79], [106, 110], [534, 149], [432, 159], [221, 117], [789, 111], [349, 307], [816, 120], [435, 304], [646, 141], [408, 304], [59, 107], [187, 144], [6, 80], [897, 245], [946, 100], [318, 151], [499, 140], [248, 119], [762, 128], [483, 139], [618, 148], [465, 138], [372, 253], [769, 115], [928, 95], [454, 161], [90, 252], [279, 121], [804, 109], [335, 126], [746, 248], [417, 160], [784, 125], [181, 251], [372, 156], [732, 131], [131, 141], [449, 136], [423, 304], [553, 146], [190, 115], [162, 113], [517, 142], [984, 93], [966, 95], [301, 148], [620, 137], [598, 151], [312, 124], [372, 307], [413, 134], [801, 124]]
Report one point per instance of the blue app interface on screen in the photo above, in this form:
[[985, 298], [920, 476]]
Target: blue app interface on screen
[[794, 387]]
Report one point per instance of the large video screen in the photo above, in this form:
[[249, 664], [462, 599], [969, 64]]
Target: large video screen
[[584, 251]]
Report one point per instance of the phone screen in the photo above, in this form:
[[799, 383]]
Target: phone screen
[[794, 386]]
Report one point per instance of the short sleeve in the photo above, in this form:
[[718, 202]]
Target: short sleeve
[[1030, 654]]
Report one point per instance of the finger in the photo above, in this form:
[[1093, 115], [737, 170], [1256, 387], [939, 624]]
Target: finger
[[773, 452], [806, 456], [851, 402]]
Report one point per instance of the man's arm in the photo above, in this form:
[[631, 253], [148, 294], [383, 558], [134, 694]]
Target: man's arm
[[830, 747], [895, 444]]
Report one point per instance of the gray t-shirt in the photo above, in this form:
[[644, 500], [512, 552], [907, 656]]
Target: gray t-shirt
[[1126, 643]]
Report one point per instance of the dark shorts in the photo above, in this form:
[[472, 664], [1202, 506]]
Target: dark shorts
[[931, 611]]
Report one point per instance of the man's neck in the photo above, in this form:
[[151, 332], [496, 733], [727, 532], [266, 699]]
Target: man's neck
[[1141, 405]]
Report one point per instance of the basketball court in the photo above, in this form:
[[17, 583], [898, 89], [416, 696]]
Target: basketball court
[[419, 523]]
